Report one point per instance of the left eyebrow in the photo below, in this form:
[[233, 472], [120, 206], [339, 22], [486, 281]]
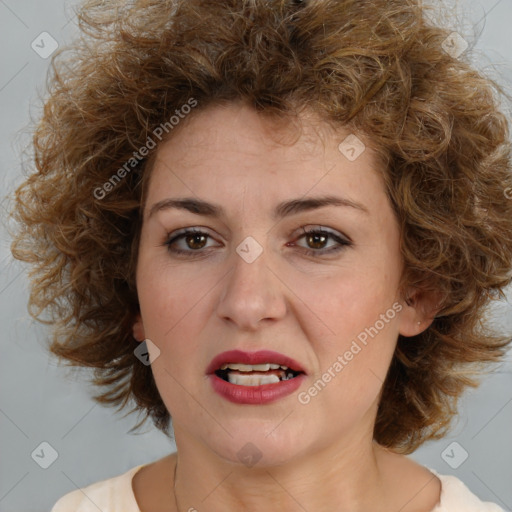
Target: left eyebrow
[[284, 209], [295, 206]]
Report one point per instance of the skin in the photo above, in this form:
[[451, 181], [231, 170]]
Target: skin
[[316, 456]]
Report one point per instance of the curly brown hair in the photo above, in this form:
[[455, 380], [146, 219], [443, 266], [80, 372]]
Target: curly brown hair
[[378, 67]]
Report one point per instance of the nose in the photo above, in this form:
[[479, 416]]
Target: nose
[[252, 292]]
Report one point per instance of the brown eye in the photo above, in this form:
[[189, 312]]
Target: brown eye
[[194, 241], [316, 240]]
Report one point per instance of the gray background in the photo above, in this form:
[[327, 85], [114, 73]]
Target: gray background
[[42, 402]]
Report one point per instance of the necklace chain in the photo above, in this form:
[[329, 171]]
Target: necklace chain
[[174, 486]]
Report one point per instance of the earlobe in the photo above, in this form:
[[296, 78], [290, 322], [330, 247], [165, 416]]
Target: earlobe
[[419, 310], [410, 324], [138, 328]]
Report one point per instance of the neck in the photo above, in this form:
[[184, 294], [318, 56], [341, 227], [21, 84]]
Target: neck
[[343, 477]]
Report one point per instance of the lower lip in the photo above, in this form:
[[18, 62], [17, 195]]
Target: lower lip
[[255, 395]]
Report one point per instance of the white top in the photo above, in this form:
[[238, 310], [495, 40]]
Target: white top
[[116, 495]]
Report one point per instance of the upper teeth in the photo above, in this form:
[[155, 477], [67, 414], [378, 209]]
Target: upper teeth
[[253, 367]]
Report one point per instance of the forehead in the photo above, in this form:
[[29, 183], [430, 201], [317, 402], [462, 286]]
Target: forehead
[[221, 131], [222, 146]]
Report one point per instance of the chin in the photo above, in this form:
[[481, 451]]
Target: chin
[[259, 443]]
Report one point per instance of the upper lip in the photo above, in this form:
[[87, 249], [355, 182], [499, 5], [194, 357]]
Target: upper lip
[[259, 357]]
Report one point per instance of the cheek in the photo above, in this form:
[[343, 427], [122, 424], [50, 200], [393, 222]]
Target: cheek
[[342, 304], [169, 297], [353, 368], [172, 305], [355, 332]]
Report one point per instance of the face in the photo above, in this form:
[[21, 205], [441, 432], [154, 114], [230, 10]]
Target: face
[[318, 284]]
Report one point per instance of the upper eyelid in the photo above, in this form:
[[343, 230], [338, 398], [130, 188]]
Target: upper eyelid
[[343, 239], [327, 230], [299, 231]]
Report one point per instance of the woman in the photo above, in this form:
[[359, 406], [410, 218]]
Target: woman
[[280, 222]]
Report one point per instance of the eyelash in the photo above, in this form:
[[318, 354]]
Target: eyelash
[[343, 243]]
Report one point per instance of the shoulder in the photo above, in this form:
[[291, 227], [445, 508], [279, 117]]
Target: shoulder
[[433, 492], [456, 497], [112, 495]]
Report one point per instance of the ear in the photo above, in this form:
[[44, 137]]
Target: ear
[[138, 328], [420, 309]]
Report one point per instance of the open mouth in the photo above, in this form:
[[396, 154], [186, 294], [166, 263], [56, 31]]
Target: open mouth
[[256, 374], [255, 378]]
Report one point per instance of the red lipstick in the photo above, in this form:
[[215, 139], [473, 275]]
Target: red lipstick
[[255, 395], [260, 357]]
